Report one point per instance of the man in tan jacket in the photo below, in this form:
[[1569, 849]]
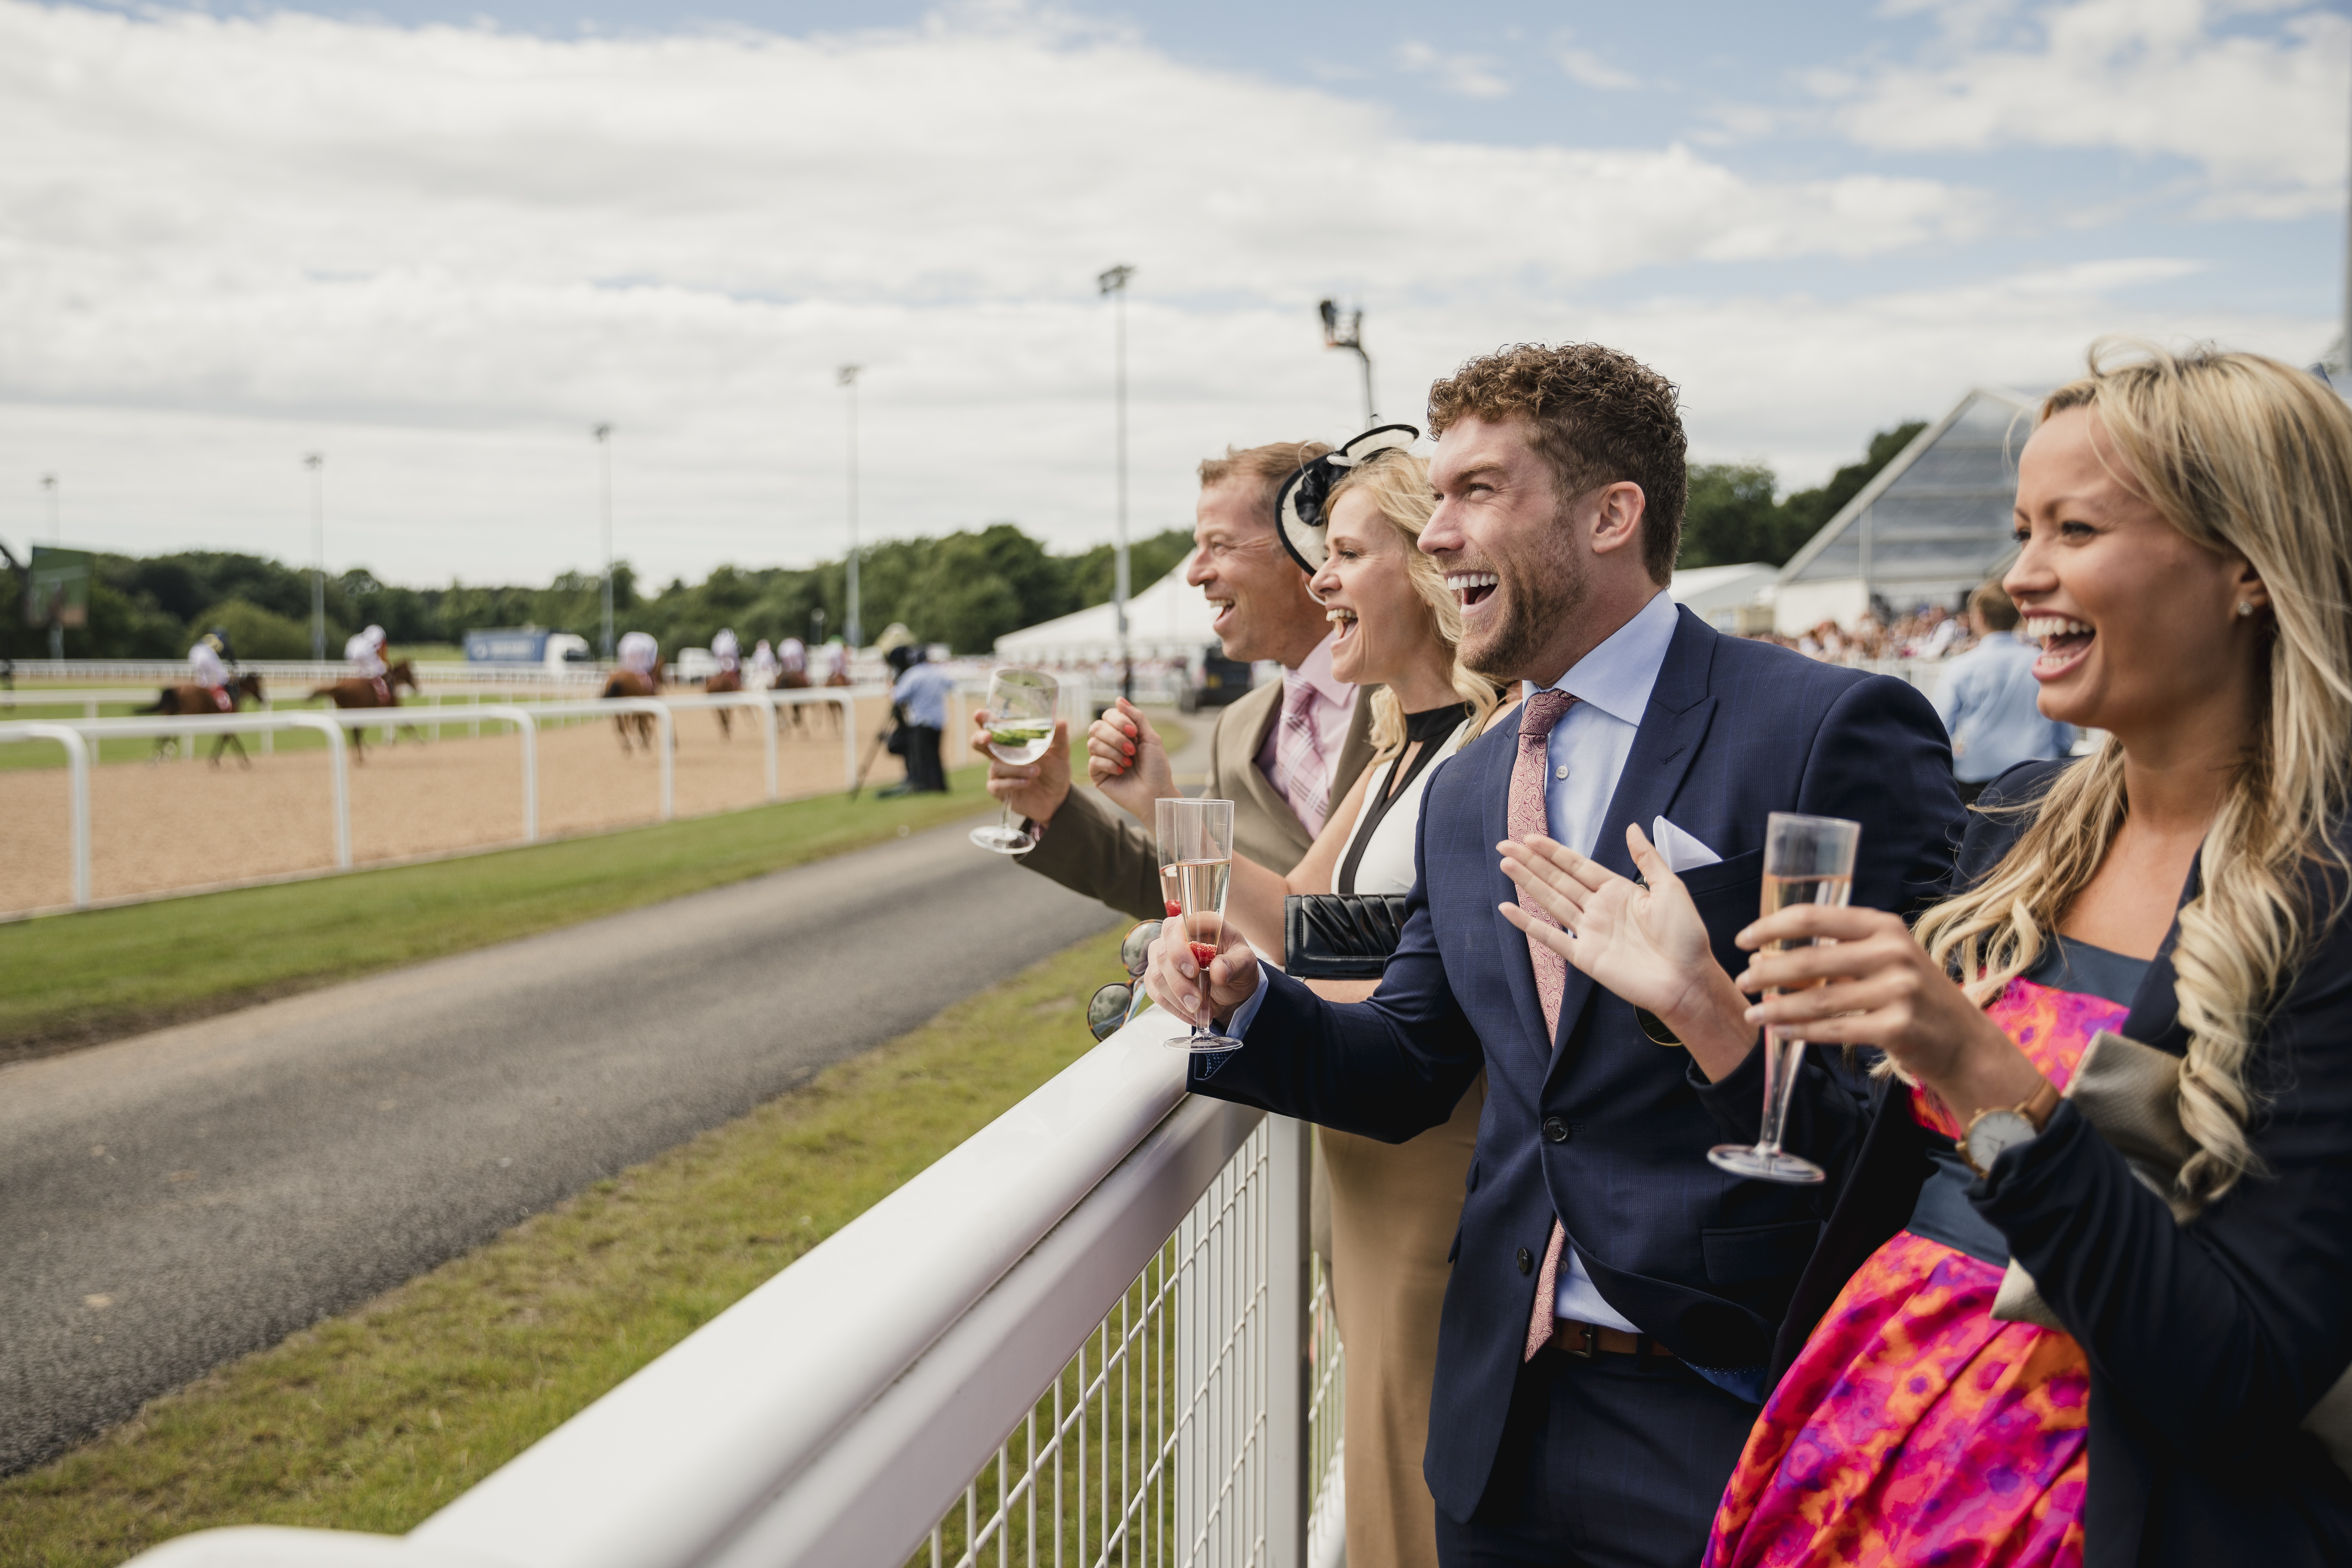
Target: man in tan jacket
[[1283, 754]]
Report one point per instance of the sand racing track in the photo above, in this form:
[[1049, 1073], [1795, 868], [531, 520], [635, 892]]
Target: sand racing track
[[184, 824]]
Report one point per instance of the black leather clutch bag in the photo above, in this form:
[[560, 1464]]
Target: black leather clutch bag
[[1340, 936]]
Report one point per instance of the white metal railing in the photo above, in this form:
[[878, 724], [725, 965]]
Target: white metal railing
[[81, 736], [1086, 1336]]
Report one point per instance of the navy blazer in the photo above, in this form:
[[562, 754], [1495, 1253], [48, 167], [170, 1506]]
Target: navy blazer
[[1601, 1127], [2208, 1342]]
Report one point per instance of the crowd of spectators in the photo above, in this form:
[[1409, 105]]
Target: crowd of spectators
[[2048, 1265]]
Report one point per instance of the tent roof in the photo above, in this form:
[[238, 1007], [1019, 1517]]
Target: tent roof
[[1934, 519], [1705, 588], [1169, 619]]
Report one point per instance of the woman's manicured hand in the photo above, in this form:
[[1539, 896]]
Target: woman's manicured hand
[[1863, 980], [1645, 945], [1127, 760]]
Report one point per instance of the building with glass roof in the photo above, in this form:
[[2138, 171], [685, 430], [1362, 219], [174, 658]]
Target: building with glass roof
[[1928, 527]]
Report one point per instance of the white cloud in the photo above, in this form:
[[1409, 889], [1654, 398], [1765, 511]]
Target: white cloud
[[1589, 70], [2261, 114], [439, 255], [1470, 76]]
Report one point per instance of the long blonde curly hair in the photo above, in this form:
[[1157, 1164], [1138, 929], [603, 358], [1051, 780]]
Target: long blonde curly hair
[[1397, 485], [2252, 458]]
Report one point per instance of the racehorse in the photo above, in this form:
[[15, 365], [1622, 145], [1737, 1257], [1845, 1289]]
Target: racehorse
[[793, 680], [723, 681], [189, 698], [372, 692], [629, 683]]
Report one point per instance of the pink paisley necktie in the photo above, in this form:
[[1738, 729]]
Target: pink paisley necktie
[[1543, 710], [1299, 772]]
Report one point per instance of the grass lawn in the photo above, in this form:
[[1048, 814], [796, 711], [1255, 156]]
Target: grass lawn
[[72, 980], [374, 1420]]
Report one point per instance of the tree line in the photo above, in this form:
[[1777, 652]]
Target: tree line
[[965, 589]]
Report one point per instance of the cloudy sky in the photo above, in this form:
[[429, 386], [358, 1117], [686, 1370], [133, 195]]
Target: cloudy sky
[[438, 241]]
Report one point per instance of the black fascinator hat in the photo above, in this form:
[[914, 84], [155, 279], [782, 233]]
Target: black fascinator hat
[[1298, 509]]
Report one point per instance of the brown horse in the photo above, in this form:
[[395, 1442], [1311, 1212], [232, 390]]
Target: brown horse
[[723, 681], [189, 698], [629, 683], [378, 691]]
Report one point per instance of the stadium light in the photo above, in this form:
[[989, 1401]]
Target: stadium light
[[316, 463], [603, 435], [1350, 338], [1113, 281], [854, 631]]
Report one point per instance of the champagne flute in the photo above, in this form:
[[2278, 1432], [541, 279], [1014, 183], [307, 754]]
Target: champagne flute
[[1807, 860], [1164, 835], [1020, 709], [1201, 833]]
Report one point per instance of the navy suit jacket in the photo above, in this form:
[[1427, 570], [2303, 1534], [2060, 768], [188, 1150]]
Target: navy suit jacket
[[1601, 1127]]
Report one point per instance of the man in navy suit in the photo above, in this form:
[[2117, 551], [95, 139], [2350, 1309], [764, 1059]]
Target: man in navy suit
[[1614, 1297]]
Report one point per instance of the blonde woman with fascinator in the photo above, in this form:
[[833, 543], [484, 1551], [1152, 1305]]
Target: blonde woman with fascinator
[[1393, 1206], [2087, 1296]]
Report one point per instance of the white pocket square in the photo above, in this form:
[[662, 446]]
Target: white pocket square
[[1683, 852]]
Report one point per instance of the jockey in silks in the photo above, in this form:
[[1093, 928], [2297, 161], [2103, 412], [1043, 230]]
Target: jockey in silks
[[792, 656], [365, 653], [638, 651], [727, 650], [836, 664], [763, 666], [205, 667]]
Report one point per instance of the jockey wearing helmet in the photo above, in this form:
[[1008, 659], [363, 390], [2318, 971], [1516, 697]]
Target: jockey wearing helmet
[[365, 653], [792, 656], [205, 667], [763, 666], [638, 651], [727, 650]]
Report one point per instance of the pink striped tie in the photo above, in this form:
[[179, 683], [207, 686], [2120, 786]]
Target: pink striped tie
[[1542, 712], [1299, 772]]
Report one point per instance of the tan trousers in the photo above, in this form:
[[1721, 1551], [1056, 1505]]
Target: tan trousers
[[1394, 1207]]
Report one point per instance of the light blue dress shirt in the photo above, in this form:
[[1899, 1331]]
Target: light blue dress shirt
[[1987, 700], [1587, 752]]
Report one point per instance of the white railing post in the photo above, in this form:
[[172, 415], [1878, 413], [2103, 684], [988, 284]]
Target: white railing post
[[669, 757], [526, 729], [768, 732], [339, 777], [77, 794], [1288, 1365]]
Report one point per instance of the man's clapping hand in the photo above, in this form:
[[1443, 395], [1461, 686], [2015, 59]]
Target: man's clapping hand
[[1174, 978], [1127, 760], [1036, 792]]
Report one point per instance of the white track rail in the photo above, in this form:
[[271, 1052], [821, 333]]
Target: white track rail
[[80, 737]]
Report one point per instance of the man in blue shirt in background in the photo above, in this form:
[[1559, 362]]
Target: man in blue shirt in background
[[921, 694], [1987, 700]]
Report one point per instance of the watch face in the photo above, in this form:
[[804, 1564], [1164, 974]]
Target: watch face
[[1994, 1131]]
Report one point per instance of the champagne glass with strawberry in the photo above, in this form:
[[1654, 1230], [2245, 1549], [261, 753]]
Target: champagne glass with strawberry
[[1202, 834]]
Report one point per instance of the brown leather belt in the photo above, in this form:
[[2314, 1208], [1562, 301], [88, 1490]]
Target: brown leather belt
[[1584, 1340]]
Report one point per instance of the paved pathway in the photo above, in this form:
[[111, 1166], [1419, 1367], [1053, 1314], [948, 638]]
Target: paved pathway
[[172, 1201]]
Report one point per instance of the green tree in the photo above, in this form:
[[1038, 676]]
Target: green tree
[[1732, 518]]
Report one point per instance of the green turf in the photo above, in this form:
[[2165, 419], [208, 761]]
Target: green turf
[[77, 979], [374, 1420]]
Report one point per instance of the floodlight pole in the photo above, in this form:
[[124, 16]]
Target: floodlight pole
[[57, 536], [1351, 338], [1113, 281], [854, 628], [603, 435], [316, 462]]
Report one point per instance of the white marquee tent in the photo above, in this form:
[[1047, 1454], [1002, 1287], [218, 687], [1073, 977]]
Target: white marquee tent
[[1168, 620]]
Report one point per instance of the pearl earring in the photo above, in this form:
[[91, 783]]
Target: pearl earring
[[2246, 608]]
